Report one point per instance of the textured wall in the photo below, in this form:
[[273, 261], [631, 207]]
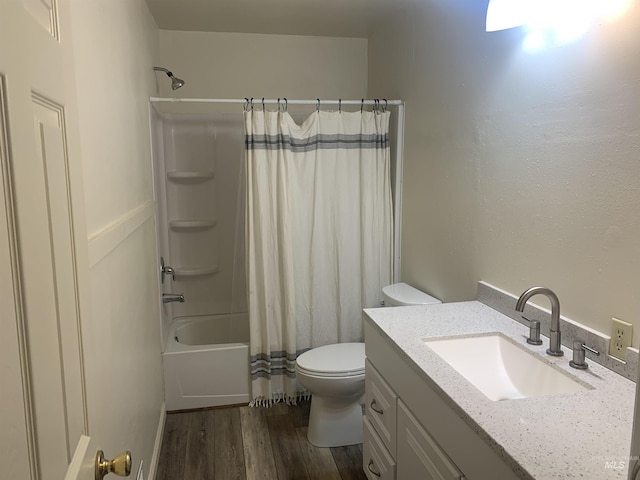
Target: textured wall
[[231, 65], [520, 168]]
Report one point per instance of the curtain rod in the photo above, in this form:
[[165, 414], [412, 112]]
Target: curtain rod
[[258, 101]]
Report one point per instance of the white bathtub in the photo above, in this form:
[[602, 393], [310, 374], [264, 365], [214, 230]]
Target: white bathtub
[[206, 361]]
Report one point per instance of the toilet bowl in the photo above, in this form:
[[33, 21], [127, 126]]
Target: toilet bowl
[[334, 374]]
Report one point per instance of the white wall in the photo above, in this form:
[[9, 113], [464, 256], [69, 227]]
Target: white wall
[[520, 168], [236, 65], [115, 43]]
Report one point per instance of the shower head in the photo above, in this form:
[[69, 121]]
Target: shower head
[[176, 82]]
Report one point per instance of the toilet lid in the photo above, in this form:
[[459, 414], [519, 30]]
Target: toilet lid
[[333, 360]]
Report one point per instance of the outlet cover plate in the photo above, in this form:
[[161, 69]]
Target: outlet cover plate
[[621, 334]]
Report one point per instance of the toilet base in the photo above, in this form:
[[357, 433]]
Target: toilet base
[[334, 422]]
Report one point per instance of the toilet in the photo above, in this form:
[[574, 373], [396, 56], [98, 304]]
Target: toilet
[[334, 374], [401, 294]]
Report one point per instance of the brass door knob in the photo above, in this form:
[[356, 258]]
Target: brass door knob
[[121, 465]]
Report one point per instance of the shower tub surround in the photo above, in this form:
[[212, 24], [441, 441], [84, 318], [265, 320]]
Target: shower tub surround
[[197, 162], [200, 219], [578, 435], [206, 362]]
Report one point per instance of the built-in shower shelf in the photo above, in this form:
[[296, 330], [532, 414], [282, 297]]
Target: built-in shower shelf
[[189, 177], [196, 271], [180, 225]]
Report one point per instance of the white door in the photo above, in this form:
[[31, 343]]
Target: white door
[[42, 248]]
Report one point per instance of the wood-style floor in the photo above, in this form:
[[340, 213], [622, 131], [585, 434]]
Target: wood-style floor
[[253, 444]]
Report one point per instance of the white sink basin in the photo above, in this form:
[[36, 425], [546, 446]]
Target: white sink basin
[[502, 369]]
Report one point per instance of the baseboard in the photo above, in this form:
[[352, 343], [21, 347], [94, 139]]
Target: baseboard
[[155, 457], [202, 409]]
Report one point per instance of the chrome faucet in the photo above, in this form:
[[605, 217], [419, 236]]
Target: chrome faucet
[[555, 347], [166, 270], [172, 297]]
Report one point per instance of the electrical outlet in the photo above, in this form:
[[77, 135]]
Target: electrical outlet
[[621, 334]]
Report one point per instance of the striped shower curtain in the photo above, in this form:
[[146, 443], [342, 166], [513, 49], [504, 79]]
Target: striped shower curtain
[[318, 236]]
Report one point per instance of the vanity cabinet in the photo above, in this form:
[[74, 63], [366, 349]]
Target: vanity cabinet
[[392, 433], [381, 407], [379, 439], [377, 462], [410, 433], [419, 456]]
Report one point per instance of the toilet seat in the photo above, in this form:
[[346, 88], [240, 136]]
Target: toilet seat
[[337, 360], [310, 373]]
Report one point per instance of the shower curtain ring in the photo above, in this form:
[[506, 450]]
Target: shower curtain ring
[[278, 104], [318, 105], [286, 104], [246, 104], [340, 105], [263, 104], [252, 104], [386, 104], [361, 105]]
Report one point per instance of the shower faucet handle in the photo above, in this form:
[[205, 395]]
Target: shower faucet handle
[[534, 331], [166, 270]]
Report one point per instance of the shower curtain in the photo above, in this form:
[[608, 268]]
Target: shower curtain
[[318, 234]]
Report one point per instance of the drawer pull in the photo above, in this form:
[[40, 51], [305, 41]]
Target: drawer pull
[[377, 474], [374, 407]]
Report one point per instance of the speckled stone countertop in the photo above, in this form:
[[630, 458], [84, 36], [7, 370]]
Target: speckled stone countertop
[[583, 435]]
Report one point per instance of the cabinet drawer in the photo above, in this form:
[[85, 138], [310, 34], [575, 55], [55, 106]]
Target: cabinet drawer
[[376, 461], [419, 456], [381, 407]]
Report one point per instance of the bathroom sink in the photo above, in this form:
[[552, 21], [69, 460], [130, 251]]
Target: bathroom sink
[[502, 369]]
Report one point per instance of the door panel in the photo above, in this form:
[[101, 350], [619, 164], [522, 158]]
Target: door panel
[[51, 139], [52, 330], [13, 442], [43, 362], [45, 13]]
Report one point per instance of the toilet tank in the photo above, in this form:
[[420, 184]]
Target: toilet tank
[[400, 294]]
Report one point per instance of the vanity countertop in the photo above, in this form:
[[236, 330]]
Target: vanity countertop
[[583, 435]]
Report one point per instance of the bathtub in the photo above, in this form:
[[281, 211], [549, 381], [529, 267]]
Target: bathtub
[[206, 361]]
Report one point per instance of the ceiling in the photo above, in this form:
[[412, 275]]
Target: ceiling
[[328, 18]]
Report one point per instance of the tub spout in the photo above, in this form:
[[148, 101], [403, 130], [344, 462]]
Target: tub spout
[[172, 297]]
